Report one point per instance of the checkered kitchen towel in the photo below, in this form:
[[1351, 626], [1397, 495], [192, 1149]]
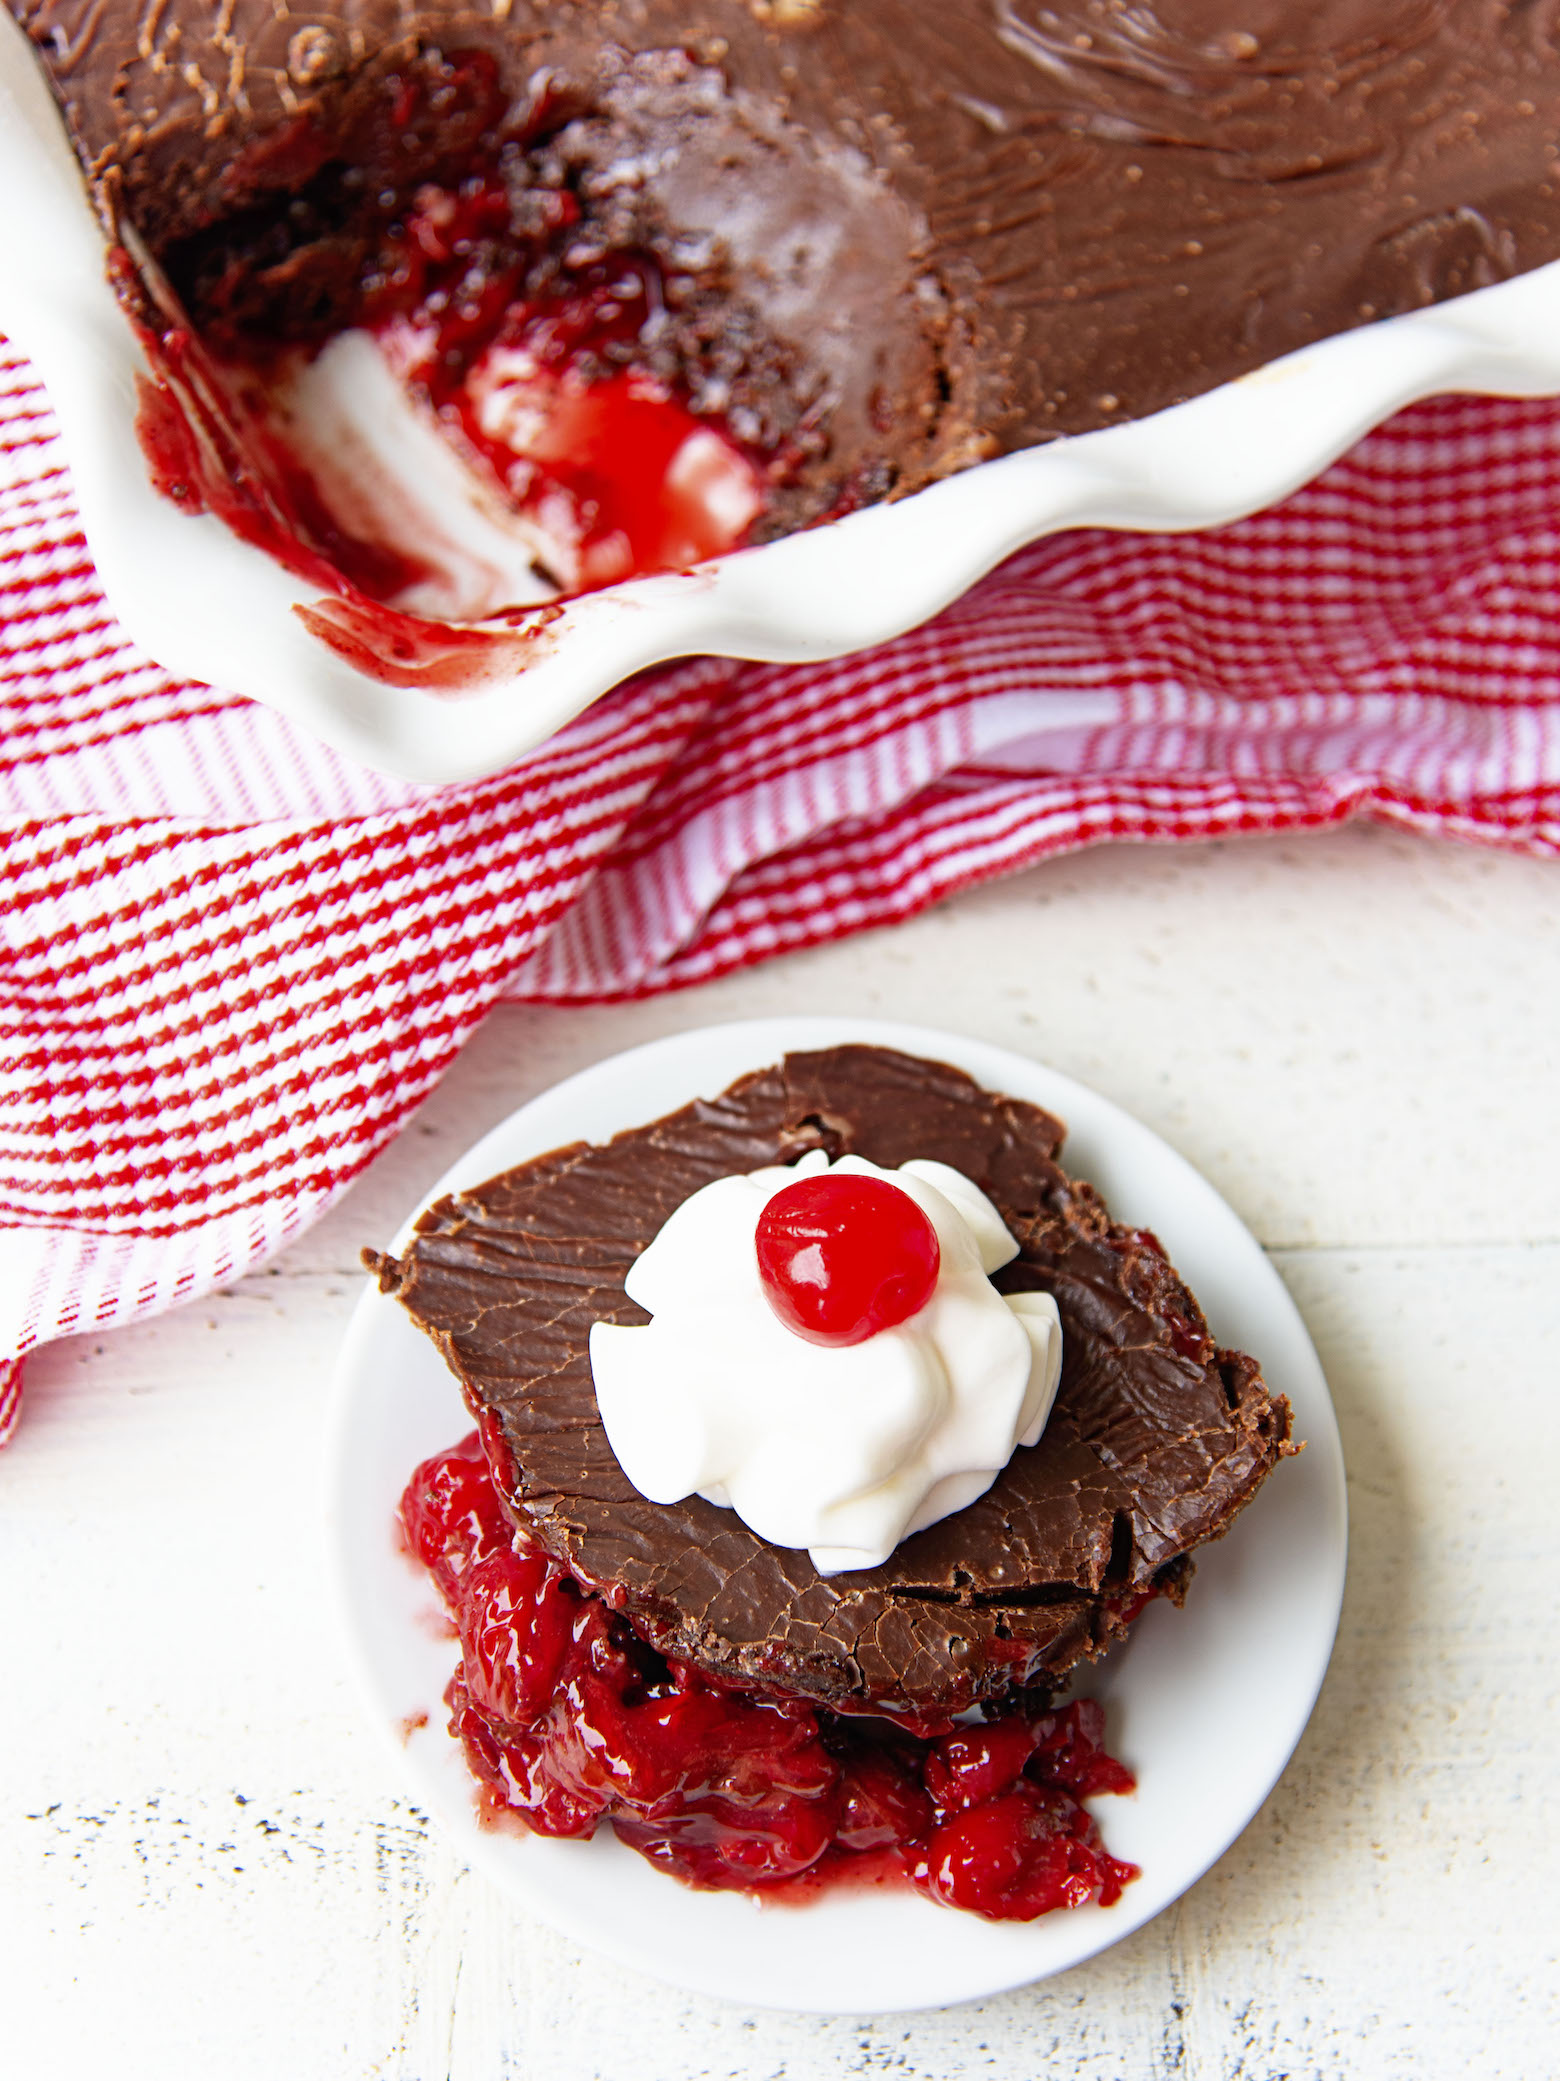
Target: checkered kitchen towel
[[233, 963]]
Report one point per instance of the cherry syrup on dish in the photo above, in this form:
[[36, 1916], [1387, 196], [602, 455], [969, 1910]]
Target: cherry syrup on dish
[[539, 346]]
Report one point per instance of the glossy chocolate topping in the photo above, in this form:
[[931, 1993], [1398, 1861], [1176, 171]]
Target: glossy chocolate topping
[[1156, 1442], [961, 226]]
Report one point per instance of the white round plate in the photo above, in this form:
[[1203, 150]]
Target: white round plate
[[1205, 1704]]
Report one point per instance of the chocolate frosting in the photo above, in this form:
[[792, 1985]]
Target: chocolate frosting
[[1157, 1439], [962, 225]]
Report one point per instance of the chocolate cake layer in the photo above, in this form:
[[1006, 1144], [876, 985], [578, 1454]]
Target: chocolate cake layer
[[954, 229], [1156, 1442]]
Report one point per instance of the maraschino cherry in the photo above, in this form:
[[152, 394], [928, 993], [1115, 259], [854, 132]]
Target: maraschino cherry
[[840, 1258]]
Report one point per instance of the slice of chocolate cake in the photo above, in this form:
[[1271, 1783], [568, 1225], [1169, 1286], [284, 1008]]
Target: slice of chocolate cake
[[859, 245], [1156, 1441]]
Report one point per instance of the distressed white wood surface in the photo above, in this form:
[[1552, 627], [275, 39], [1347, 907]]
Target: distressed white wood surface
[[207, 1868]]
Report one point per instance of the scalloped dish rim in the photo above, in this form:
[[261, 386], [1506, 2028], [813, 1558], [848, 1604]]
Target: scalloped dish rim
[[209, 607]]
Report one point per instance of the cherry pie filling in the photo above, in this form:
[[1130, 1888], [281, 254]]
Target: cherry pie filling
[[542, 391], [568, 1718], [542, 351]]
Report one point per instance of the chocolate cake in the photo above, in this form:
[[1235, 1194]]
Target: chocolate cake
[[873, 240], [1157, 1440]]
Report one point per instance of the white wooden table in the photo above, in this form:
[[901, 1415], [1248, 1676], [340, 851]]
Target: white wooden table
[[208, 1869]]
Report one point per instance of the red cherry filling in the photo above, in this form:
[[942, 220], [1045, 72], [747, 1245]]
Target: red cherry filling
[[543, 389], [541, 348], [840, 1258], [568, 1719]]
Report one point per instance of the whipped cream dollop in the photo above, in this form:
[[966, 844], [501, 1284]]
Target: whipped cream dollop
[[844, 1451]]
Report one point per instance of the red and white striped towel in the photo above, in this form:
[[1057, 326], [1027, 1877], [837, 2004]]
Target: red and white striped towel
[[235, 962]]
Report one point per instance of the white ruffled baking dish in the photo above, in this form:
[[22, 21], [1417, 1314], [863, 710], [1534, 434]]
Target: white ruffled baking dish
[[208, 606]]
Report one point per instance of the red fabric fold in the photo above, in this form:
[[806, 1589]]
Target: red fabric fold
[[234, 962]]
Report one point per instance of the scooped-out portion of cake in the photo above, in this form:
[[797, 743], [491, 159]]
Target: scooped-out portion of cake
[[675, 278], [1155, 1441]]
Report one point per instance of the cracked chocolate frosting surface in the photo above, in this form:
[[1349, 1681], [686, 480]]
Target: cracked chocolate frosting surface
[[1157, 1439], [956, 226]]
